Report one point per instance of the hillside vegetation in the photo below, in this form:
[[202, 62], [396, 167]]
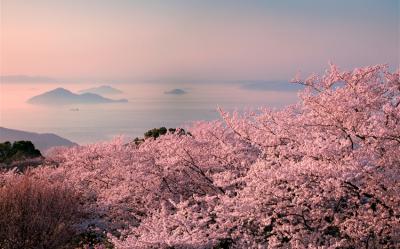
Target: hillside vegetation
[[18, 154]]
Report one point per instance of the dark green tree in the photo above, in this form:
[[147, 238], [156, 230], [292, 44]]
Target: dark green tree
[[19, 150]]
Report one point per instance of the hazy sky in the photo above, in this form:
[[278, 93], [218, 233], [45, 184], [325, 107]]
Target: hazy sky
[[218, 40]]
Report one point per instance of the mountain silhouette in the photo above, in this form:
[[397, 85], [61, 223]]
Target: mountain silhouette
[[42, 141], [61, 96], [102, 90]]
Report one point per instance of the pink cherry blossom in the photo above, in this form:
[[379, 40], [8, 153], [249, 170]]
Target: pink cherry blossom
[[323, 173]]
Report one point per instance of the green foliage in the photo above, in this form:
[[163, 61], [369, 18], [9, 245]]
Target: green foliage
[[157, 132], [17, 151]]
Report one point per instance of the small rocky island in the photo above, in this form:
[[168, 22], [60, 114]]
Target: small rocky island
[[176, 91]]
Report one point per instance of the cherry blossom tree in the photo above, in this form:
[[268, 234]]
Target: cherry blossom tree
[[323, 173], [327, 174], [122, 184]]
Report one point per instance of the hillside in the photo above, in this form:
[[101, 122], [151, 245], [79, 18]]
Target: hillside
[[42, 141]]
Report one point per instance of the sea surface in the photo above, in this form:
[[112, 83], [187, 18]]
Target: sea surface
[[148, 107]]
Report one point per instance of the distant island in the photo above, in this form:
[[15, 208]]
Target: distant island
[[42, 141], [102, 90], [26, 79], [274, 86], [176, 91], [61, 96]]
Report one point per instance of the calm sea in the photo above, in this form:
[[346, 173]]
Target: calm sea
[[148, 107]]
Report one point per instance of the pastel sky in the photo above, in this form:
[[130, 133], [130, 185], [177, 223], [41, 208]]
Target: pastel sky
[[204, 39]]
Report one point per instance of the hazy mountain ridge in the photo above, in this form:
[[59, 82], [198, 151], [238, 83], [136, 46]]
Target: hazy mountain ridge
[[104, 89], [42, 141], [61, 96], [275, 86], [21, 78]]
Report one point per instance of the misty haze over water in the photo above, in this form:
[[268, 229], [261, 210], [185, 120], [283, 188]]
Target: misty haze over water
[[148, 106]]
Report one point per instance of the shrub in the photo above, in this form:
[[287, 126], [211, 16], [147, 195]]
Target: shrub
[[36, 214], [156, 132], [20, 155]]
